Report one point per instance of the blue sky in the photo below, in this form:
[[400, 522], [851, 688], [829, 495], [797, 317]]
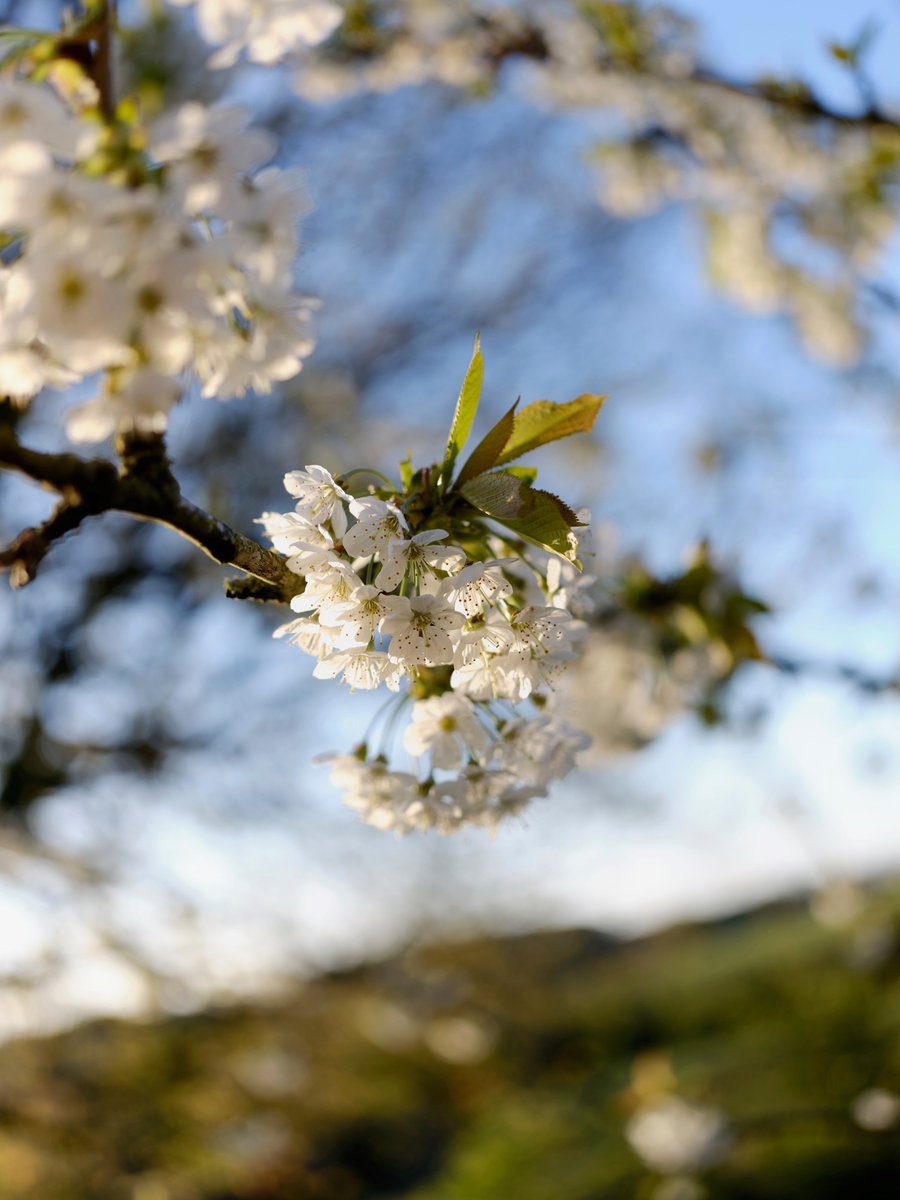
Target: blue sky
[[790, 37]]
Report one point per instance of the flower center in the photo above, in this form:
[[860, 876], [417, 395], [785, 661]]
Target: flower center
[[149, 300], [60, 204], [71, 288], [12, 114], [206, 155]]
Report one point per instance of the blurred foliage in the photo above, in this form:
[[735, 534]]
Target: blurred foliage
[[702, 608], [494, 1068]]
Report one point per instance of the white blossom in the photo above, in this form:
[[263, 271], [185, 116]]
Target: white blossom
[[319, 497], [542, 630], [310, 635], [380, 795], [378, 522], [513, 659], [360, 668], [26, 370], [359, 616], [328, 587], [131, 400], [448, 729], [569, 588], [540, 749], [207, 152], [295, 535], [420, 551], [478, 585], [483, 797], [263, 234], [32, 113], [478, 764], [268, 30], [61, 298], [114, 278], [276, 341], [514, 676], [421, 627], [37, 194]]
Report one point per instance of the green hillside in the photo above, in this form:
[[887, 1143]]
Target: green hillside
[[502, 1069]]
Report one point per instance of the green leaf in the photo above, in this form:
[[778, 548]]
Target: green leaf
[[529, 474], [16, 43], [466, 407], [569, 515], [545, 421], [406, 470], [548, 525], [499, 494], [488, 449], [537, 516]]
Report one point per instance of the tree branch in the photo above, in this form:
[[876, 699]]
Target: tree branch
[[529, 41], [874, 685], [23, 556], [800, 101], [144, 487], [103, 58]]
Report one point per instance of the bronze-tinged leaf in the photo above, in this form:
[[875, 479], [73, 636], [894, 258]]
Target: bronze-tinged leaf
[[488, 450]]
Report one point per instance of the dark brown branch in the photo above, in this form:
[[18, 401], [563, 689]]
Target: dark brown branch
[[87, 38], [251, 587], [26, 552], [103, 59], [64, 473], [143, 487], [800, 101]]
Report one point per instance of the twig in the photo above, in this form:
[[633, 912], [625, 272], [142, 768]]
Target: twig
[[144, 487], [871, 684], [23, 556]]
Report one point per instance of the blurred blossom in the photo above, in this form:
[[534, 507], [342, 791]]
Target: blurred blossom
[[673, 1136], [838, 904], [460, 1039], [876, 1110], [387, 1025]]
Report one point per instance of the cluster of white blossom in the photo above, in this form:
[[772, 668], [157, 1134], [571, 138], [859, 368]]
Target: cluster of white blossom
[[145, 256], [266, 30], [384, 604]]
